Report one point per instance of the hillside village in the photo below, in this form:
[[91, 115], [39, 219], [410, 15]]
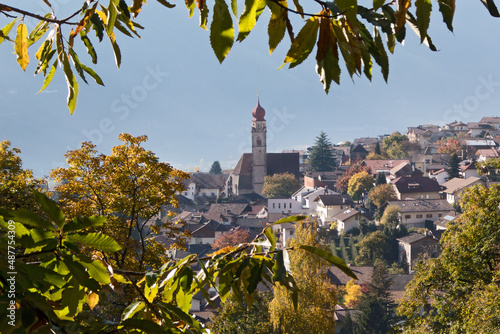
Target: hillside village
[[426, 198]]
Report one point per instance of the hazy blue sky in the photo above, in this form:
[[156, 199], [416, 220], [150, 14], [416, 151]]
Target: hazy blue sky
[[194, 111]]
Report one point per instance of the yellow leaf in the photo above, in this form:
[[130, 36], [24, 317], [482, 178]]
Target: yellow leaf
[[21, 46], [92, 300]]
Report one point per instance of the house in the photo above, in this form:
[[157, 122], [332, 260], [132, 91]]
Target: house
[[358, 153], [469, 169], [328, 206], [227, 212], [442, 223], [415, 245], [306, 196], [208, 232], [486, 153], [477, 129], [455, 187], [284, 205], [404, 169], [348, 219], [383, 165], [493, 120], [416, 187], [440, 176], [210, 186], [415, 212]]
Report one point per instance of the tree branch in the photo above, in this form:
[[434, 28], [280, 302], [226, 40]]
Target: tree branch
[[5, 8]]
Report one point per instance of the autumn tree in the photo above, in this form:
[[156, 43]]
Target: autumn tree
[[129, 187], [16, 183], [321, 158], [342, 184], [231, 239], [314, 312], [353, 294], [359, 184], [236, 317], [372, 247], [458, 291], [382, 193], [397, 146], [449, 146], [215, 169], [276, 185], [357, 31]]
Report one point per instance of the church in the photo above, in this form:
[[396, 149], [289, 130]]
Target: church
[[248, 175]]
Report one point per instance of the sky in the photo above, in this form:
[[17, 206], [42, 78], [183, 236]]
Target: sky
[[194, 110]]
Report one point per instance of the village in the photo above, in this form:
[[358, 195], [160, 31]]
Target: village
[[423, 174]]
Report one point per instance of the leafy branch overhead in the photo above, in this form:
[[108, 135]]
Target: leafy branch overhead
[[337, 30]]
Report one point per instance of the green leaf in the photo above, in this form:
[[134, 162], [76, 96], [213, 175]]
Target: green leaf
[[51, 208], [71, 83], [40, 30], [132, 309], [377, 4], [79, 273], [447, 9], [27, 217], [271, 237], [98, 26], [299, 8], [146, 326], [492, 8], [255, 276], [166, 3], [81, 223], [424, 8], [181, 315], [96, 240], [49, 76], [277, 25], [336, 261], [279, 269], [384, 59], [221, 30], [290, 219], [6, 30], [249, 17], [88, 44], [304, 43], [111, 17], [96, 270], [21, 46], [116, 50]]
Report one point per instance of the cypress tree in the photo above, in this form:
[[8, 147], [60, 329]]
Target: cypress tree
[[381, 179], [377, 149], [216, 169]]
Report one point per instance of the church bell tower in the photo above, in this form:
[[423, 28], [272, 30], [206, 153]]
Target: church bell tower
[[259, 151]]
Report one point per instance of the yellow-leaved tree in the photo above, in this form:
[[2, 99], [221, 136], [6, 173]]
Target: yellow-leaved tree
[[129, 187], [353, 294], [316, 303], [16, 183]]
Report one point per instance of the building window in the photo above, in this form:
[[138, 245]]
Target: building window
[[407, 216], [341, 207], [274, 205], [429, 215], [279, 205], [284, 205], [440, 215], [419, 216]]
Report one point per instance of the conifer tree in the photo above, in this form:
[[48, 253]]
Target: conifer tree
[[377, 149], [321, 158], [381, 179], [453, 170], [216, 169]]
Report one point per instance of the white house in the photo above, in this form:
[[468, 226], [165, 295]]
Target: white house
[[455, 187], [328, 206], [283, 205], [348, 219], [440, 176], [414, 213]]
